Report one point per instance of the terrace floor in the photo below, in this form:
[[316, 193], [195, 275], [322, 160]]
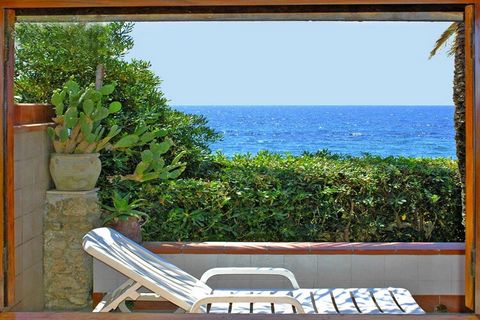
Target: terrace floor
[[160, 316]]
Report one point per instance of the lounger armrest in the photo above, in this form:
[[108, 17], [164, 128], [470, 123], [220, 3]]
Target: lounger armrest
[[246, 298], [251, 270]]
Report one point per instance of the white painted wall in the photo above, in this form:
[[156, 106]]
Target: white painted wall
[[421, 274]]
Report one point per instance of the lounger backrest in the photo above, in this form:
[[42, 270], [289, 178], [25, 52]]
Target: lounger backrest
[[145, 267]]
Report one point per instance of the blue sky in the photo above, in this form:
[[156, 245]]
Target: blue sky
[[296, 63]]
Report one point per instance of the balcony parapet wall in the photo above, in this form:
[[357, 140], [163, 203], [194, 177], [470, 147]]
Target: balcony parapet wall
[[433, 272]]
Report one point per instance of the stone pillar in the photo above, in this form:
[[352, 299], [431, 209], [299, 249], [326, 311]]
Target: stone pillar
[[68, 277]]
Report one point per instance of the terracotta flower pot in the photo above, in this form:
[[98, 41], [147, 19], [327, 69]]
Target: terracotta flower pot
[[130, 228], [75, 172]]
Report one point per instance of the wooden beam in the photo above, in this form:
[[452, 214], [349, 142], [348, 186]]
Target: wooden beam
[[313, 16], [241, 13], [469, 168], [3, 24], [9, 158], [192, 3], [476, 150], [243, 10], [363, 12]]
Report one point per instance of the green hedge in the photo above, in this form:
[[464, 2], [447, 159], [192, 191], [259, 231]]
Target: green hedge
[[314, 197]]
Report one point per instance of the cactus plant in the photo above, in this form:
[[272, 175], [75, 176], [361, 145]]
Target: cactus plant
[[152, 166], [79, 116], [79, 135]]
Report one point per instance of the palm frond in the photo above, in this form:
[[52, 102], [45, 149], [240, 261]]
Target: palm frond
[[447, 34], [456, 42]]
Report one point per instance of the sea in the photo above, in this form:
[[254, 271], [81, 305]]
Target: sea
[[410, 131]]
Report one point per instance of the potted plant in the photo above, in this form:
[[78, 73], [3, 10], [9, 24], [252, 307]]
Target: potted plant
[[124, 217], [79, 135]]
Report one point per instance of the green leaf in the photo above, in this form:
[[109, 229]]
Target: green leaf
[[103, 143], [178, 157], [85, 125], [88, 106], [57, 98], [163, 175], [87, 95], [114, 130], [147, 137], [126, 142], [100, 114], [99, 133], [97, 130], [141, 168], [57, 101], [107, 89], [74, 99], [96, 96], [140, 130], [59, 109], [90, 138], [161, 148], [434, 198], [162, 133], [72, 87], [71, 117], [158, 164], [63, 134], [147, 156], [150, 176], [175, 173], [115, 107]]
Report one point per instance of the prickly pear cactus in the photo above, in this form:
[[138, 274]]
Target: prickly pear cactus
[[79, 116], [153, 165]]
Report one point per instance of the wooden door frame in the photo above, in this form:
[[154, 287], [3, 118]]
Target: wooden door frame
[[249, 10], [469, 160], [7, 241]]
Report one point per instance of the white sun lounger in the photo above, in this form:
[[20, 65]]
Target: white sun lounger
[[146, 270]]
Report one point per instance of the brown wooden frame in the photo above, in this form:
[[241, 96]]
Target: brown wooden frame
[[246, 9], [469, 194], [3, 85]]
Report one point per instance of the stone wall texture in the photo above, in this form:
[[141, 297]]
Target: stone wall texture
[[68, 269], [32, 180]]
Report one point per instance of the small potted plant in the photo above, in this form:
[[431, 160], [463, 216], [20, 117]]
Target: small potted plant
[[78, 135], [122, 214], [125, 217]]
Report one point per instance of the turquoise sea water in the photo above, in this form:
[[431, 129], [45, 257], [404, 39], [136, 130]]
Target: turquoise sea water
[[417, 131]]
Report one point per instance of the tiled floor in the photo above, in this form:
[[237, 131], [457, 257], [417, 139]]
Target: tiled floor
[[152, 316]]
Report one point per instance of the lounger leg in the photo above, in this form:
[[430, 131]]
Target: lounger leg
[[112, 300], [123, 307]]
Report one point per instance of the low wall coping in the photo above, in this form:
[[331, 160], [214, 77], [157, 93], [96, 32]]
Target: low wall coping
[[32, 127], [369, 248]]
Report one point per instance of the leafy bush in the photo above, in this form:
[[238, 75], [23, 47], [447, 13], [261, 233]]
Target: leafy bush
[[47, 55], [314, 197]]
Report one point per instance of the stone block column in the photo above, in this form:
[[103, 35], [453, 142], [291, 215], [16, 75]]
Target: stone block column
[[68, 269]]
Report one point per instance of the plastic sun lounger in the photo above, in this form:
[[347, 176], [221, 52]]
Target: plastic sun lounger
[[146, 270]]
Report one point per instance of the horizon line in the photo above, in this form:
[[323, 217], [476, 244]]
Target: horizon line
[[312, 105]]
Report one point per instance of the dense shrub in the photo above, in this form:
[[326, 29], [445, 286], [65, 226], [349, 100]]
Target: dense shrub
[[318, 197]]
